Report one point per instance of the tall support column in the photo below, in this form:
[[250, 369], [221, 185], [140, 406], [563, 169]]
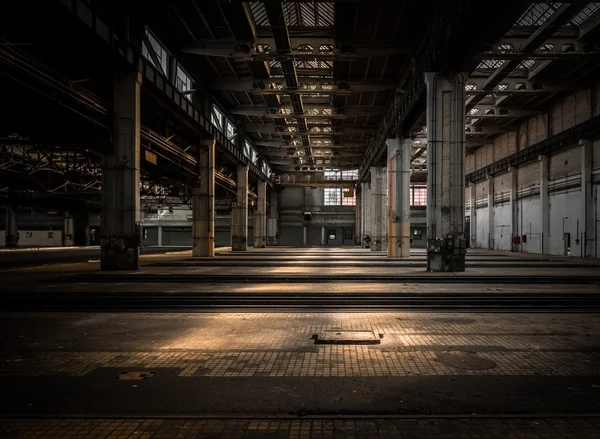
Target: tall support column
[[587, 201], [323, 236], [11, 234], [491, 220], [357, 217], [159, 233], [272, 220], [203, 204], [120, 239], [239, 239], [514, 206], [384, 209], [544, 204], [472, 215], [377, 194], [446, 248], [399, 197], [68, 230], [260, 216], [365, 210]]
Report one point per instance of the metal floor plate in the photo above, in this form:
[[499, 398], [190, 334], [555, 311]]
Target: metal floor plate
[[347, 337]]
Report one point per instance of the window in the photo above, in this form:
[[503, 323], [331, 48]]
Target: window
[[418, 234], [217, 118], [348, 197], [183, 82], [156, 54], [418, 195], [266, 169], [334, 174], [230, 131], [331, 234], [250, 152], [331, 175], [332, 196]]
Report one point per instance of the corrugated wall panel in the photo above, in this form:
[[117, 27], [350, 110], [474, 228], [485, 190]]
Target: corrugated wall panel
[[481, 189], [489, 151], [511, 146], [528, 174], [565, 163], [582, 106], [568, 112], [524, 135], [596, 153], [502, 183]]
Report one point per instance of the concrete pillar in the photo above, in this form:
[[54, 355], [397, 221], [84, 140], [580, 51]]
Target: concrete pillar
[[365, 200], [159, 234], [491, 220], [514, 206], [472, 215], [260, 216], [323, 236], [239, 219], [399, 197], [305, 236], [68, 230], [357, 217], [377, 199], [11, 234], [203, 204], [587, 229], [385, 212], [544, 204], [120, 239], [272, 220], [446, 248]]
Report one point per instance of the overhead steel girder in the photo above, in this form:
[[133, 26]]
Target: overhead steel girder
[[516, 84], [273, 112], [314, 86], [278, 129], [317, 52], [280, 143], [472, 130], [553, 55], [495, 111]]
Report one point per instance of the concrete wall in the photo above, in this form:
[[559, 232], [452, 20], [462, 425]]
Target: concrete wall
[[36, 238], [564, 194]]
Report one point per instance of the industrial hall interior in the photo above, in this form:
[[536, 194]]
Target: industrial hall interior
[[327, 218]]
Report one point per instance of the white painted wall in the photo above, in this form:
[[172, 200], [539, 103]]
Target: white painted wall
[[529, 224], [502, 235], [482, 228], [36, 238], [566, 204]]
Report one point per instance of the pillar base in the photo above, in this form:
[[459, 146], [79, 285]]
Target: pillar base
[[239, 244], [203, 247], [377, 245], [446, 255], [118, 253], [260, 243], [12, 241], [271, 240]]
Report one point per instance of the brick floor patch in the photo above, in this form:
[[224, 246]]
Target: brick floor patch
[[501, 428], [342, 336], [466, 360], [135, 376]]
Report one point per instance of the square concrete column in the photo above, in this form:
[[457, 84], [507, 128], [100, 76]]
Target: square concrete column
[[587, 201], [365, 214], [399, 197], [544, 204], [260, 216], [68, 230], [323, 236], [272, 220], [357, 217], [159, 235], [491, 219], [203, 204], [239, 219], [120, 238], [446, 249], [11, 234], [472, 215], [514, 206], [377, 199], [384, 209]]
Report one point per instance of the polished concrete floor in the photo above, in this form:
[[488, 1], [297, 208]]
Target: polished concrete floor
[[235, 346]]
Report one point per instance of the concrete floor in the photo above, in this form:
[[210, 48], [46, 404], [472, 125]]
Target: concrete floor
[[121, 367]]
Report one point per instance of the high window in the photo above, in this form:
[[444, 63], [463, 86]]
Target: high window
[[335, 196], [155, 52], [418, 195], [183, 82], [217, 118]]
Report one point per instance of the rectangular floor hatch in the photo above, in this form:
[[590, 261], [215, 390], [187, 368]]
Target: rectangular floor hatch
[[346, 337]]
